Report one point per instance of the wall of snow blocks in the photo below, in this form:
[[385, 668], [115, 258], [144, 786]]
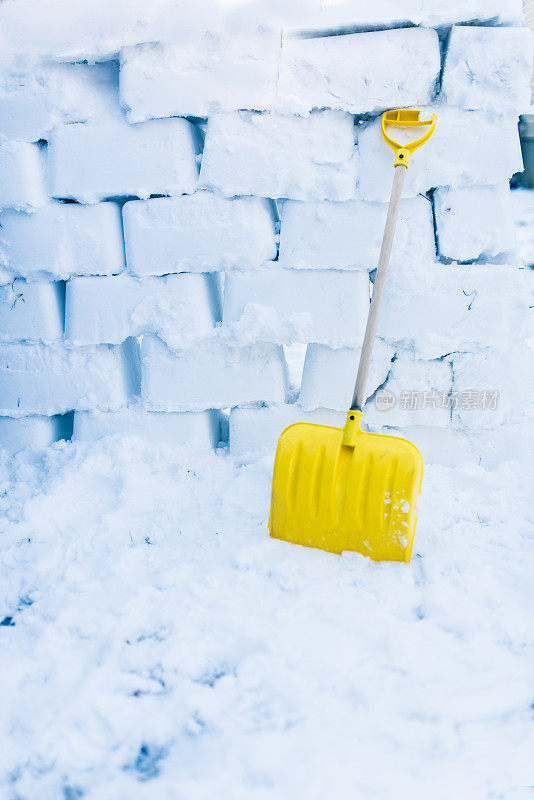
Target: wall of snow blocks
[[181, 207], [84, 35]]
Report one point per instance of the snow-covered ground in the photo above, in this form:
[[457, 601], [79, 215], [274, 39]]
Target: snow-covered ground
[[157, 643]]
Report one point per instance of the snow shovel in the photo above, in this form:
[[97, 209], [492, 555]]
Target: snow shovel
[[342, 488]]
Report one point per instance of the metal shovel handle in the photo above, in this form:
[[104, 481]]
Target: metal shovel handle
[[402, 118]]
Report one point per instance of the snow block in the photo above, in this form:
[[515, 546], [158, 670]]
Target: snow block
[[449, 308], [54, 379], [33, 101], [329, 374], [17, 434], [316, 15], [201, 232], [31, 312], [179, 308], [498, 12], [492, 387], [189, 429], [523, 210], [507, 442], [452, 447], [416, 392], [255, 431], [488, 69], [468, 148], [21, 176], [273, 155], [96, 32], [343, 72], [211, 375], [200, 76], [285, 306], [92, 162], [444, 446], [475, 223], [62, 239], [349, 235]]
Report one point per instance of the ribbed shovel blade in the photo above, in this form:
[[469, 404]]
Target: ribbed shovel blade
[[336, 498]]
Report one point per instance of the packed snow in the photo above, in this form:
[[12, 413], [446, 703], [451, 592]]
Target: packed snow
[[157, 643]]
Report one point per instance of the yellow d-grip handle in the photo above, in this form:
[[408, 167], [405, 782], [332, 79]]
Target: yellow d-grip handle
[[406, 118]]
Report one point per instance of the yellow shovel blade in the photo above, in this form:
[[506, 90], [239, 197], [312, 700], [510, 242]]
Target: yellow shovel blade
[[337, 497]]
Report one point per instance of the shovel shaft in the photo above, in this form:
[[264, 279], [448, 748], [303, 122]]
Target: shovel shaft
[[358, 398]]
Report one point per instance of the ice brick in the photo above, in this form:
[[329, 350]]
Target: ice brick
[[474, 223], [62, 239], [285, 306], [94, 161], [204, 74], [96, 32], [343, 72], [453, 308], [21, 176], [468, 148], [31, 312], [188, 429], [493, 387], [19, 433], [201, 232], [211, 375], [508, 442], [488, 68], [329, 374], [444, 446], [179, 308], [34, 99], [54, 379], [349, 235], [316, 15], [255, 431], [276, 155], [416, 392]]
